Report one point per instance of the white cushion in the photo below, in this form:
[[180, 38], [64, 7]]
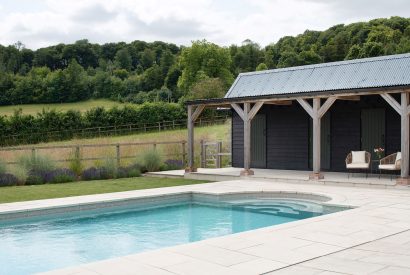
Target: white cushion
[[398, 156], [357, 165], [388, 167], [358, 156]]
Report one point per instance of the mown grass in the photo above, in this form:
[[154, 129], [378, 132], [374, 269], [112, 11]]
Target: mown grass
[[33, 109], [49, 191]]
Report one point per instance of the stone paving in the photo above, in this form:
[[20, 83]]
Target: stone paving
[[373, 238]]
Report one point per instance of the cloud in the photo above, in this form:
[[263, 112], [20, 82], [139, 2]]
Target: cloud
[[181, 21], [94, 14]]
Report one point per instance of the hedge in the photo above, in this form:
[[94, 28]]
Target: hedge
[[37, 128]]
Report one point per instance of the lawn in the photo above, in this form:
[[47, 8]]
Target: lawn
[[79, 106], [49, 191]]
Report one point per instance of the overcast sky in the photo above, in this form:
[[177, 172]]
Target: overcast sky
[[39, 23]]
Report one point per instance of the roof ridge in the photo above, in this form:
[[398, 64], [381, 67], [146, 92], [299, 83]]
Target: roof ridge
[[330, 64]]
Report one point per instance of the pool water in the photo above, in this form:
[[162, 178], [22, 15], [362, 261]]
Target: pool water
[[42, 245]]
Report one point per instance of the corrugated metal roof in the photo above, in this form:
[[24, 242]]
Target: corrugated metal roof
[[375, 72]]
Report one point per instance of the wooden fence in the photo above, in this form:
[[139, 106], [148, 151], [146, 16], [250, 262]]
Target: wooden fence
[[75, 151], [114, 130]]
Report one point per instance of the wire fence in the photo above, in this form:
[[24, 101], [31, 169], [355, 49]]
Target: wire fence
[[102, 131]]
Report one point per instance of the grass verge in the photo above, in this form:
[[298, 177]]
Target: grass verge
[[49, 191]]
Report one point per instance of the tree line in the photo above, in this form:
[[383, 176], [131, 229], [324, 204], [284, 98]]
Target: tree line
[[141, 72]]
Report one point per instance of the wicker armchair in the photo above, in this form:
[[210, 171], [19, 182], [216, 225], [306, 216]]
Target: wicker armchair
[[391, 162], [362, 161]]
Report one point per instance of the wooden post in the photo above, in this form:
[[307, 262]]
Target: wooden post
[[193, 114], [190, 125], [316, 112], [33, 153], [247, 141], [247, 114], [403, 109], [77, 152], [218, 156], [404, 138], [203, 154], [118, 154], [316, 139], [183, 154]]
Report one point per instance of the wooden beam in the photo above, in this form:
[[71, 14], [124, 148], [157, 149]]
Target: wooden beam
[[395, 105], [254, 110], [350, 98], [197, 112], [361, 92], [238, 110], [305, 105], [283, 102], [326, 106]]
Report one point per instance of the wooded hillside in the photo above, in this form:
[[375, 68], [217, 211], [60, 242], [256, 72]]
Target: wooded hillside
[[145, 72]]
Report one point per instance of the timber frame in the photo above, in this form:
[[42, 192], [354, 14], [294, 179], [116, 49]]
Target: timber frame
[[248, 107]]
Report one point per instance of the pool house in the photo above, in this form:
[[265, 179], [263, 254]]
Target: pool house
[[316, 118]]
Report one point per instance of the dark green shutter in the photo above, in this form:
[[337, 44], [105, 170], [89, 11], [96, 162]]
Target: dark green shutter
[[373, 130]]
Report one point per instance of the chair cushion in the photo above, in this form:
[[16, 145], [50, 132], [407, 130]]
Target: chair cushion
[[398, 156], [388, 167], [358, 156], [357, 165]]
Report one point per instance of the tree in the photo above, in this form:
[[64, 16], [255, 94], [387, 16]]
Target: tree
[[123, 59], [261, 67], [204, 58], [76, 82], [207, 88]]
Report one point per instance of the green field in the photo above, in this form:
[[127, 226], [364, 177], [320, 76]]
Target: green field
[[79, 106], [49, 191]]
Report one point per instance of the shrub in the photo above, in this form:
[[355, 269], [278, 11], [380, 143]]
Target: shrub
[[111, 167], [152, 160], [173, 164], [35, 178], [60, 175], [76, 165], [129, 171], [36, 163], [94, 173], [8, 179]]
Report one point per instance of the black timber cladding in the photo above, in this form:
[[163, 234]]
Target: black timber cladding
[[288, 133]]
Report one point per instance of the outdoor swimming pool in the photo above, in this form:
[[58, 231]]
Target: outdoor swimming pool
[[46, 243]]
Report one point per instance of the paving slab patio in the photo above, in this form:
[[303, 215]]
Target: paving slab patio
[[372, 238]]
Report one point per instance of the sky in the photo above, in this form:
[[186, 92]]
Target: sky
[[40, 23]]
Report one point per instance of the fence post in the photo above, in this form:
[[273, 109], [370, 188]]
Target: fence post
[[145, 127], [218, 154], [203, 155], [154, 145], [33, 153], [159, 126], [77, 152], [183, 154], [173, 124], [118, 154]]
